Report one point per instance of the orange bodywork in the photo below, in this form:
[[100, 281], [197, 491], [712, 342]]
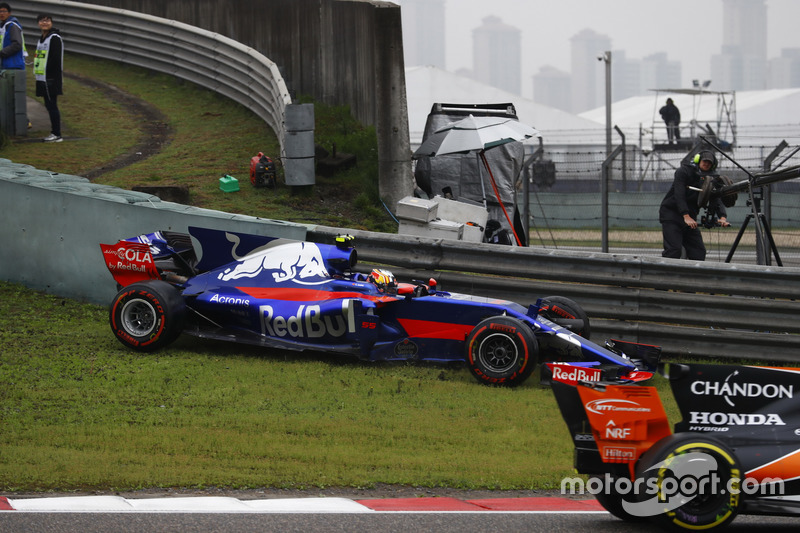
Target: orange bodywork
[[626, 421]]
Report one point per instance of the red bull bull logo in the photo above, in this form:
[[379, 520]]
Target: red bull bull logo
[[299, 262]]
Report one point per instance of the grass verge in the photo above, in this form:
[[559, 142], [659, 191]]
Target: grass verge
[[79, 411]]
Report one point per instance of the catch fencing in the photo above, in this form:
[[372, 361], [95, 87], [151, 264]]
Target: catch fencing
[[566, 208]]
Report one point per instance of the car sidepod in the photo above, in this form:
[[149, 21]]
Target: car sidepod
[[754, 411]]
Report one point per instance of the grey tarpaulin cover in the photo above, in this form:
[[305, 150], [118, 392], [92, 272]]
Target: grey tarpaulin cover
[[462, 172]]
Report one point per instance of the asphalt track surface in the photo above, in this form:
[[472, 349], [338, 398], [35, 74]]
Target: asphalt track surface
[[440, 514]]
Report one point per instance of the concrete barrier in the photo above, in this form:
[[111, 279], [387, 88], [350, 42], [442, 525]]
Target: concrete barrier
[[51, 226]]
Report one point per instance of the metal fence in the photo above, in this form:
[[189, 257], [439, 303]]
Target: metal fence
[[566, 209]]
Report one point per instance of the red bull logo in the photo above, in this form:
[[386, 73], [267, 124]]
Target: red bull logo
[[300, 262], [571, 375], [309, 321]]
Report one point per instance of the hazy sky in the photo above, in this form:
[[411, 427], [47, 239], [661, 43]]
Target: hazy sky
[[689, 31]]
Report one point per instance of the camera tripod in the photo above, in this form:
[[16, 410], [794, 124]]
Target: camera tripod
[[762, 231]]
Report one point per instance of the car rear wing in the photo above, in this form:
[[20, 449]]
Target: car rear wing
[[129, 262], [611, 424]]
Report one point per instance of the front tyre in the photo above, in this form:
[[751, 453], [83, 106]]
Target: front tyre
[[697, 480], [147, 316], [501, 350], [566, 313]]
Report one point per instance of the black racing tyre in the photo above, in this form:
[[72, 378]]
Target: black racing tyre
[[148, 315], [566, 313], [502, 350], [698, 470], [611, 500]]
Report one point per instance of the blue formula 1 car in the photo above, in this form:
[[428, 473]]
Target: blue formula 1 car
[[307, 296]]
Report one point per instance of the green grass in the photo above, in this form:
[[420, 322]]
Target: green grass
[[79, 411], [212, 136]]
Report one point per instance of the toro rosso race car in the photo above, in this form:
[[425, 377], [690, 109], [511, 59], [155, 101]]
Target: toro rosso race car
[[736, 449], [306, 296]]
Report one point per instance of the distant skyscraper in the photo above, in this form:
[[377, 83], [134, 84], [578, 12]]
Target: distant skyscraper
[[423, 32], [784, 71], [497, 55], [660, 73], [742, 65], [588, 82], [553, 88], [626, 76], [744, 24]]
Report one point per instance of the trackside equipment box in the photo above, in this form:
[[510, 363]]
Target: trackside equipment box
[[460, 211], [435, 229], [417, 209]]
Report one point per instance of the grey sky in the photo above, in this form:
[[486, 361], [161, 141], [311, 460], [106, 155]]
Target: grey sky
[[689, 31]]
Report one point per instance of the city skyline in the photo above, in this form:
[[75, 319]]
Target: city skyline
[[688, 32]]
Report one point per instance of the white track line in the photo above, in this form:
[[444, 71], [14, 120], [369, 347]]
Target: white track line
[[211, 504]]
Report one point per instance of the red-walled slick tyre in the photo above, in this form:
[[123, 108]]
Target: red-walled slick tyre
[[566, 313], [501, 350], [147, 316]]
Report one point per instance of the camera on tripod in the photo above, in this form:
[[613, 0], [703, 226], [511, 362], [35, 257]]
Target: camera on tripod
[[712, 185]]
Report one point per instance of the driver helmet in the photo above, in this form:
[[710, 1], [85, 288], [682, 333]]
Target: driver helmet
[[383, 279], [706, 155]]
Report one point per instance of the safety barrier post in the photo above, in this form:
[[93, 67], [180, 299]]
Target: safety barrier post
[[604, 179]]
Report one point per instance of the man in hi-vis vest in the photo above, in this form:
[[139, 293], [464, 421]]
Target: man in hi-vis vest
[[12, 43], [48, 66]]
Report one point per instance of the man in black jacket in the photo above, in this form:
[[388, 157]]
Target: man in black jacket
[[679, 209], [672, 118]]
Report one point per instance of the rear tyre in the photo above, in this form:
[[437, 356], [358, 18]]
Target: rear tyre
[[709, 476], [501, 350], [566, 313], [147, 316]]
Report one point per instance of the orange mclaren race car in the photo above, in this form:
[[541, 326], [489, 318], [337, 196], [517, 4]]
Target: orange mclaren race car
[[735, 450]]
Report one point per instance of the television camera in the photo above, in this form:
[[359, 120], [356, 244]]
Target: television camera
[[713, 183], [724, 188]]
